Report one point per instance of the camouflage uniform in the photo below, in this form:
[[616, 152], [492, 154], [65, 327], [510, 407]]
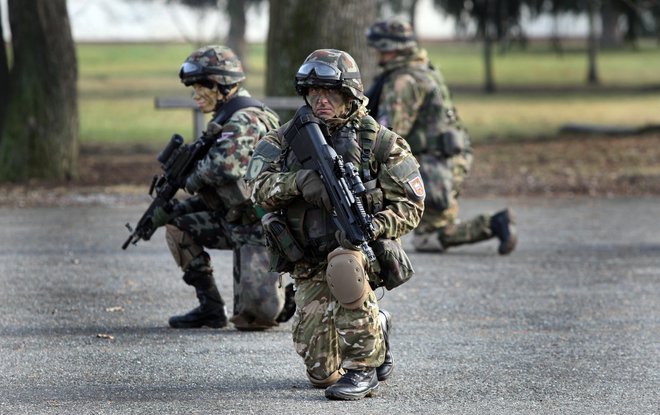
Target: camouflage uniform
[[220, 214], [328, 336], [411, 98]]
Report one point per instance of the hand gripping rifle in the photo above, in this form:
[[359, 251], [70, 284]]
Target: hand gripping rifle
[[178, 160], [341, 181]]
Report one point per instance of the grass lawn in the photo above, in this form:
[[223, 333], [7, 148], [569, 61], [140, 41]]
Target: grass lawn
[[118, 83]]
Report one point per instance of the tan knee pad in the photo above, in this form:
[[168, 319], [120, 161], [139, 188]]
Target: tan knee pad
[[182, 246], [324, 383], [347, 278]]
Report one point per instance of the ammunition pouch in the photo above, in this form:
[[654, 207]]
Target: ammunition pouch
[[395, 266], [447, 144], [283, 249], [453, 142], [438, 179]]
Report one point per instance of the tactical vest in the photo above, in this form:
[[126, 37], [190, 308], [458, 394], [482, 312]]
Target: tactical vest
[[233, 198], [367, 146], [436, 116]]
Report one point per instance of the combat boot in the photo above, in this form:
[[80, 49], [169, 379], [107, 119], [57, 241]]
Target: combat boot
[[385, 370], [211, 311], [427, 242], [354, 384], [502, 224]]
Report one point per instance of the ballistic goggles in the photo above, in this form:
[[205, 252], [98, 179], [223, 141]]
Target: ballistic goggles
[[195, 70], [324, 72], [373, 36]]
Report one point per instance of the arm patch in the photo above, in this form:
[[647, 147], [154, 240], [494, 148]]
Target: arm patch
[[265, 153], [408, 171]]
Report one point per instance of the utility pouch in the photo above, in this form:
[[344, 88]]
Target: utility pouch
[[395, 266], [453, 142], [438, 180], [283, 249]]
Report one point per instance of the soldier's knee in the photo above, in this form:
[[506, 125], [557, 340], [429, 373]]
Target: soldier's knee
[[347, 278], [182, 246]]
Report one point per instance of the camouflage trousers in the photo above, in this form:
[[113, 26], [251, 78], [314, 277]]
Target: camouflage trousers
[[328, 336], [443, 179], [258, 294]]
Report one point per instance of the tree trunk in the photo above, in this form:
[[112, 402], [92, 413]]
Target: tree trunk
[[592, 71], [298, 27], [488, 30], [237, 26], [40, 139], [4, 80], [609, 37]]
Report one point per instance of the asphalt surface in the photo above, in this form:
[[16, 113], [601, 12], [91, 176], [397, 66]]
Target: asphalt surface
[[568, 324]]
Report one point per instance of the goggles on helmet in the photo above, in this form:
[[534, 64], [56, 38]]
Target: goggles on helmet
[[374, 37], [323, 71], [194, 69]]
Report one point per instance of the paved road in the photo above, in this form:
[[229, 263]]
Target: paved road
[[570, 323]]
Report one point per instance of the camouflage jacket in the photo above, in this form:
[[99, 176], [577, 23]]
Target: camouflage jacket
[[220, 173], [396, 199], [416, 103]]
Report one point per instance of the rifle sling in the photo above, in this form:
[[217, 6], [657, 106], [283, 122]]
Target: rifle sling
[[235, 104]]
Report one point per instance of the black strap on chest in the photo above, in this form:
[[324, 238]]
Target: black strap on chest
[[235, 104]]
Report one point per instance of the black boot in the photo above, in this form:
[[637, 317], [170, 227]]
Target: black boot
[[385, 370], [502, 226], [211, 311], [354, 384]]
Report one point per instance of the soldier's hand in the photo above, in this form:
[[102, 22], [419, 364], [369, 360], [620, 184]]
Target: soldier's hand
[[312, 188], [344, 242], [162, 215]]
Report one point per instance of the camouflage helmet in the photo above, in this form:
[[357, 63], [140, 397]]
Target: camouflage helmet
[[330, 68], [392, 35], [216, 63]]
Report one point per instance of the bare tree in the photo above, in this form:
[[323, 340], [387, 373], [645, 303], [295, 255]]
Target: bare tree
[[40, 135], [593, 7], [4, 79], [298, 27], [236, 10]]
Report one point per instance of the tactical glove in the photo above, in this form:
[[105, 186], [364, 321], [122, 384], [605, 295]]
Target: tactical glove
[[344, 242], [312, 188], [163, 214]]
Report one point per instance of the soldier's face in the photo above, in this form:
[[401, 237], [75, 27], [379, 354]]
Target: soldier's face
[[206, 98], [385, 57], [326, 103]]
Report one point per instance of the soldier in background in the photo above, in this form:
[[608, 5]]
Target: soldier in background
[[411, 98], [220, 214], [338, 328]]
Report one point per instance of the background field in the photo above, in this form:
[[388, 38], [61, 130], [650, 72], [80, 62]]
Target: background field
[[539, 89]]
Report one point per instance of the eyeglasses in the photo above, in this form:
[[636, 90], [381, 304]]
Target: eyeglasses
[[324, 72]]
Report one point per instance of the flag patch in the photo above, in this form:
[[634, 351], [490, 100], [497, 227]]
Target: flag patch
[[417, 186]]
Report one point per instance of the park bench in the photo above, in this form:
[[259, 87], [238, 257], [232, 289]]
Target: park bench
[[278, 104]]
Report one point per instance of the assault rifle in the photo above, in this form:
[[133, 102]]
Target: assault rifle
[[341, 180], [177, 160]]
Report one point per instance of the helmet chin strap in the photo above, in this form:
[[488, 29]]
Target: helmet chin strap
[[225, 92]]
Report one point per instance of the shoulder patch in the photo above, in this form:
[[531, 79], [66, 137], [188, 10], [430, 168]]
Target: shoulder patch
[[417, 186]]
